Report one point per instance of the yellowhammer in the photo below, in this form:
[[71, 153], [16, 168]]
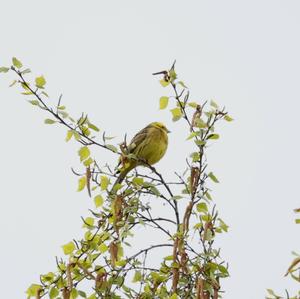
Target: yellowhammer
[[149, 145]]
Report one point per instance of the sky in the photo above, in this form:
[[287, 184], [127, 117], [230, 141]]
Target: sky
[[100, 55]]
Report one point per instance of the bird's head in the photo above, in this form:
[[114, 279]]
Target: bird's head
[[160, 126]]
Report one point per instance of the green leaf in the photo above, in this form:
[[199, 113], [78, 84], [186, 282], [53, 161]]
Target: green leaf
[[202, 207], [297, 221], [214, 104], [228, 118], [172, 74], [93, 296], [112, 148], [223, 225], [49, 277], [182, 84], [213, 136], [103, 248], [213, 177], [49, 121], [4, 69], [17, 63], [34, 102], [200, 123], [68, 248], [163, 102], [40, 82], [82, 294], [64, 114], [81, 183], [26, 71], [193, 105], [176, 113], [104, 182], [177, 197], [98, 200], [174, 296], [195, 156], [84, 153], [13, 83], [271, 292], [137, 276], [138, 181], [74, 294], [192, 135], [69, 135], [169, 258], [208, 196], [93, 127], [53, 293], [164, 83], [45, 94], [200, 142]]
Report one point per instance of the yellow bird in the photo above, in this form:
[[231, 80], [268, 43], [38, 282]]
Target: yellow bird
[[150, 144]]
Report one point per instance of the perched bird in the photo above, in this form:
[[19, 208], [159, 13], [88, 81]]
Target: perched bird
[[149, 145]]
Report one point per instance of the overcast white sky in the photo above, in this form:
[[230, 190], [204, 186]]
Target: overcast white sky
[[100, 55]]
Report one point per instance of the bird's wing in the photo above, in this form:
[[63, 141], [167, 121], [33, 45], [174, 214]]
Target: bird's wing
[[138, 139]]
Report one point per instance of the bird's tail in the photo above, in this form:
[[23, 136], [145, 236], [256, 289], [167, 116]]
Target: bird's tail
[[121, 177]]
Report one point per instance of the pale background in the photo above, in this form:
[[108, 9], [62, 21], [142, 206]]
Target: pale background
[[100, 55]]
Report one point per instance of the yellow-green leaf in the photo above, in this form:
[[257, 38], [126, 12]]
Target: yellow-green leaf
[[112, 148], [193, 104], [53, 293], [68, 248], [163, 102], [138, 181], [98, 200], [192, 135], [228, 118], [137, 276], [89, 222], [93, 127], [17, 63], [88, 162], [103, 248], [213, 136], [104, 182], [26, 71], [69, 135], [202, 207], [213, 177], [13, 83], [176, 113], [49, 121], [213, 104], [182, 84], [4, 69], [34, 102], [84, 153], [40, 82], [164, 83], [81, 183], [74, 294], [33, 290]]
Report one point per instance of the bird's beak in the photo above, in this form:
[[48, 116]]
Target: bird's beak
[[168, 131]]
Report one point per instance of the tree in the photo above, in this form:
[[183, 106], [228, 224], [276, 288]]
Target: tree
[[192, 267]]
